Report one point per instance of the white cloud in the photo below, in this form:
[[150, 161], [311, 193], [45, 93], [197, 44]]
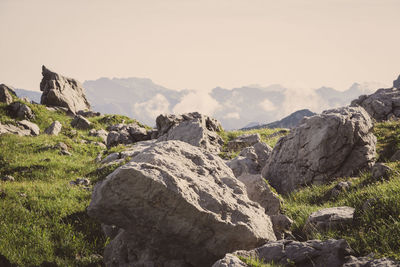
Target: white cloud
[[267, 105], [153, 107], [198, 101], [232, 115]]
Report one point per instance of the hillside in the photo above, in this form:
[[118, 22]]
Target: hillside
[[43, 217]]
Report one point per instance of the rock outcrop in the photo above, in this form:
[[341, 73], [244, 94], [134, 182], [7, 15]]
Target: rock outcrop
[[329, 219], [329, 253], [54, 128], [382, 105], [20, 111], [243, 141], [12, 129], [80, 122], [62, 91], [6, 94], [193, 128], [126, 134], [250, 160], [177, 205], [336, 143], [30, 126]]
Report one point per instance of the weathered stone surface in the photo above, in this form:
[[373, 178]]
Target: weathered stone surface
[[32, 127], [339, 188], [329, 218], [243, 141], [259, 191], [20, 111], [281, 225], [317, 253], [381, 105], [251, 160], [6, 94], [368, 262], [62, 91], [381, 171], [99, 133], [177, 204], [193, 128], [336, 143], [126, 134], [54, 128], [80, 122], [88, 113], [395, 156], [230, 260], [12, 129]]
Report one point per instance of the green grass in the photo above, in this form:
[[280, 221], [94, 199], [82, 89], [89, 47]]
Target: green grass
[[43, 218], [254, 262], [376, 229]]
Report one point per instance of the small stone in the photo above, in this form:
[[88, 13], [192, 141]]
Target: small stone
[[81, 122], [381, 171], [243, 141], [54, 128], [329, 218], [35, 130], [8, 178]]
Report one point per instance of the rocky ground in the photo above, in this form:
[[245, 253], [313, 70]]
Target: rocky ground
[[83, 189]]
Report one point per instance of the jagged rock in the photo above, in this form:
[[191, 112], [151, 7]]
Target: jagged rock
[[193, 128], [80, 122], [395, 156], [316, 253], [177, 204], [396, 83], [381, 105], [340, 187], [243, 141], [250, 160], [54, 128], [12, 129], [336, 143], [329, 219], [20, 111], [281, 225], [6, 94], [88, 113], [8, 178], [230, 260], [126, 134], [259, 191], [368, 262], [61, 91], [99, 133], [380, 171], [32, 127]]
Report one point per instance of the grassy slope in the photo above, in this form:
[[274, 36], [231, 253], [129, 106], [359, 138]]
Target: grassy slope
[[42, 217]]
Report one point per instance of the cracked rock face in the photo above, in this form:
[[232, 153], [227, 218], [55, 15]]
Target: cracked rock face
[[61, 91], [177, 205], [329, 253], [6, 94], [193, 128], [336, 143], [382, 105]]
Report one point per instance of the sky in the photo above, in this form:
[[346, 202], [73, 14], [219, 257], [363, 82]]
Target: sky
[[192, 44]]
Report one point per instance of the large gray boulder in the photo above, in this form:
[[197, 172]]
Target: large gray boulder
[[336, 143], [62, 91], [329, 219], [20, 111], [177, 205], [6, 94], [193, 128], [382, 105], [316, 253]]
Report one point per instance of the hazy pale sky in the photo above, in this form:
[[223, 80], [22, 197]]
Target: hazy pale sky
[[201, 44]]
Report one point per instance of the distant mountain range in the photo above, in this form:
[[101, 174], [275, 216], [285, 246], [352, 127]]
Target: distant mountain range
[[144, 100]]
